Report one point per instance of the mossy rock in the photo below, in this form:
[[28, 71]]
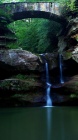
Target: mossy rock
[[67, 55], [19, 85]]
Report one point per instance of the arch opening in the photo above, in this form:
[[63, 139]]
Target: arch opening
[[35, 35]]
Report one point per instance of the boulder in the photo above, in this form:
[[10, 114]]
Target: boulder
[[15, 61], [20, 59]]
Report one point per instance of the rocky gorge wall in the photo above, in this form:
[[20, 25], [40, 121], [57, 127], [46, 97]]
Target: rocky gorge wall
[[22, 74], [22, 80]]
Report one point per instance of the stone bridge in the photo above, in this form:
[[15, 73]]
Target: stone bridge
[[28, 6], [22, 10]]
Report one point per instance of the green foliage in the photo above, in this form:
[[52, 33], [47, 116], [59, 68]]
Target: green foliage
[[20, 76], [73, 96], [12, 45], [67, 55], [36, 36], [71, 5], [5, 84], [4, 17], [25, 77]]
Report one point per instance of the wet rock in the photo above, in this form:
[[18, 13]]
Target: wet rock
[[61, 43], [51, 59], [67, 93], [72, 86]]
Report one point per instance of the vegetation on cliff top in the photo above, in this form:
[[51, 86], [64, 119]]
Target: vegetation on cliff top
[[36, 35]]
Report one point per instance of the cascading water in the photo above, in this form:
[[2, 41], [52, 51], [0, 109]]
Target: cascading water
[[48, 86], [61, 71]]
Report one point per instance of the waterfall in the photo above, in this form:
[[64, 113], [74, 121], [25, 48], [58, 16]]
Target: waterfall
[[61, 70], [48, 86]]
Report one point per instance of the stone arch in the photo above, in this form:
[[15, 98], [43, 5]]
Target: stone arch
[[38, 14]]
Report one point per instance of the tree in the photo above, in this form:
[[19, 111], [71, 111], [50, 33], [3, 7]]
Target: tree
[[37, 36]]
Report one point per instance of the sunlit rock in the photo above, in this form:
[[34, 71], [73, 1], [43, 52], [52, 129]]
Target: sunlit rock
[[75, 54], [68, 37], [19, 59]]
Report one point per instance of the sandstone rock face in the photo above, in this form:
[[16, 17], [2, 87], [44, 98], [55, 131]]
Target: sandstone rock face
[[71, 87], [61, 44], [72, 28], [67, 93], [68, 38], [23, 61], [19, 85], [20, 59], [51, 59], [20, 92], [75, 54], [19, 89]]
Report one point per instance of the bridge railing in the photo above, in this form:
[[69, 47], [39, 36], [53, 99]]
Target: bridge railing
[[27, 6]]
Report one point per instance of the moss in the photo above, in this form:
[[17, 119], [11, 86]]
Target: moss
[[19, 85], [29, 78], [73, 96], [76, 83], [5, 84], [67, 55], [5, 16]]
